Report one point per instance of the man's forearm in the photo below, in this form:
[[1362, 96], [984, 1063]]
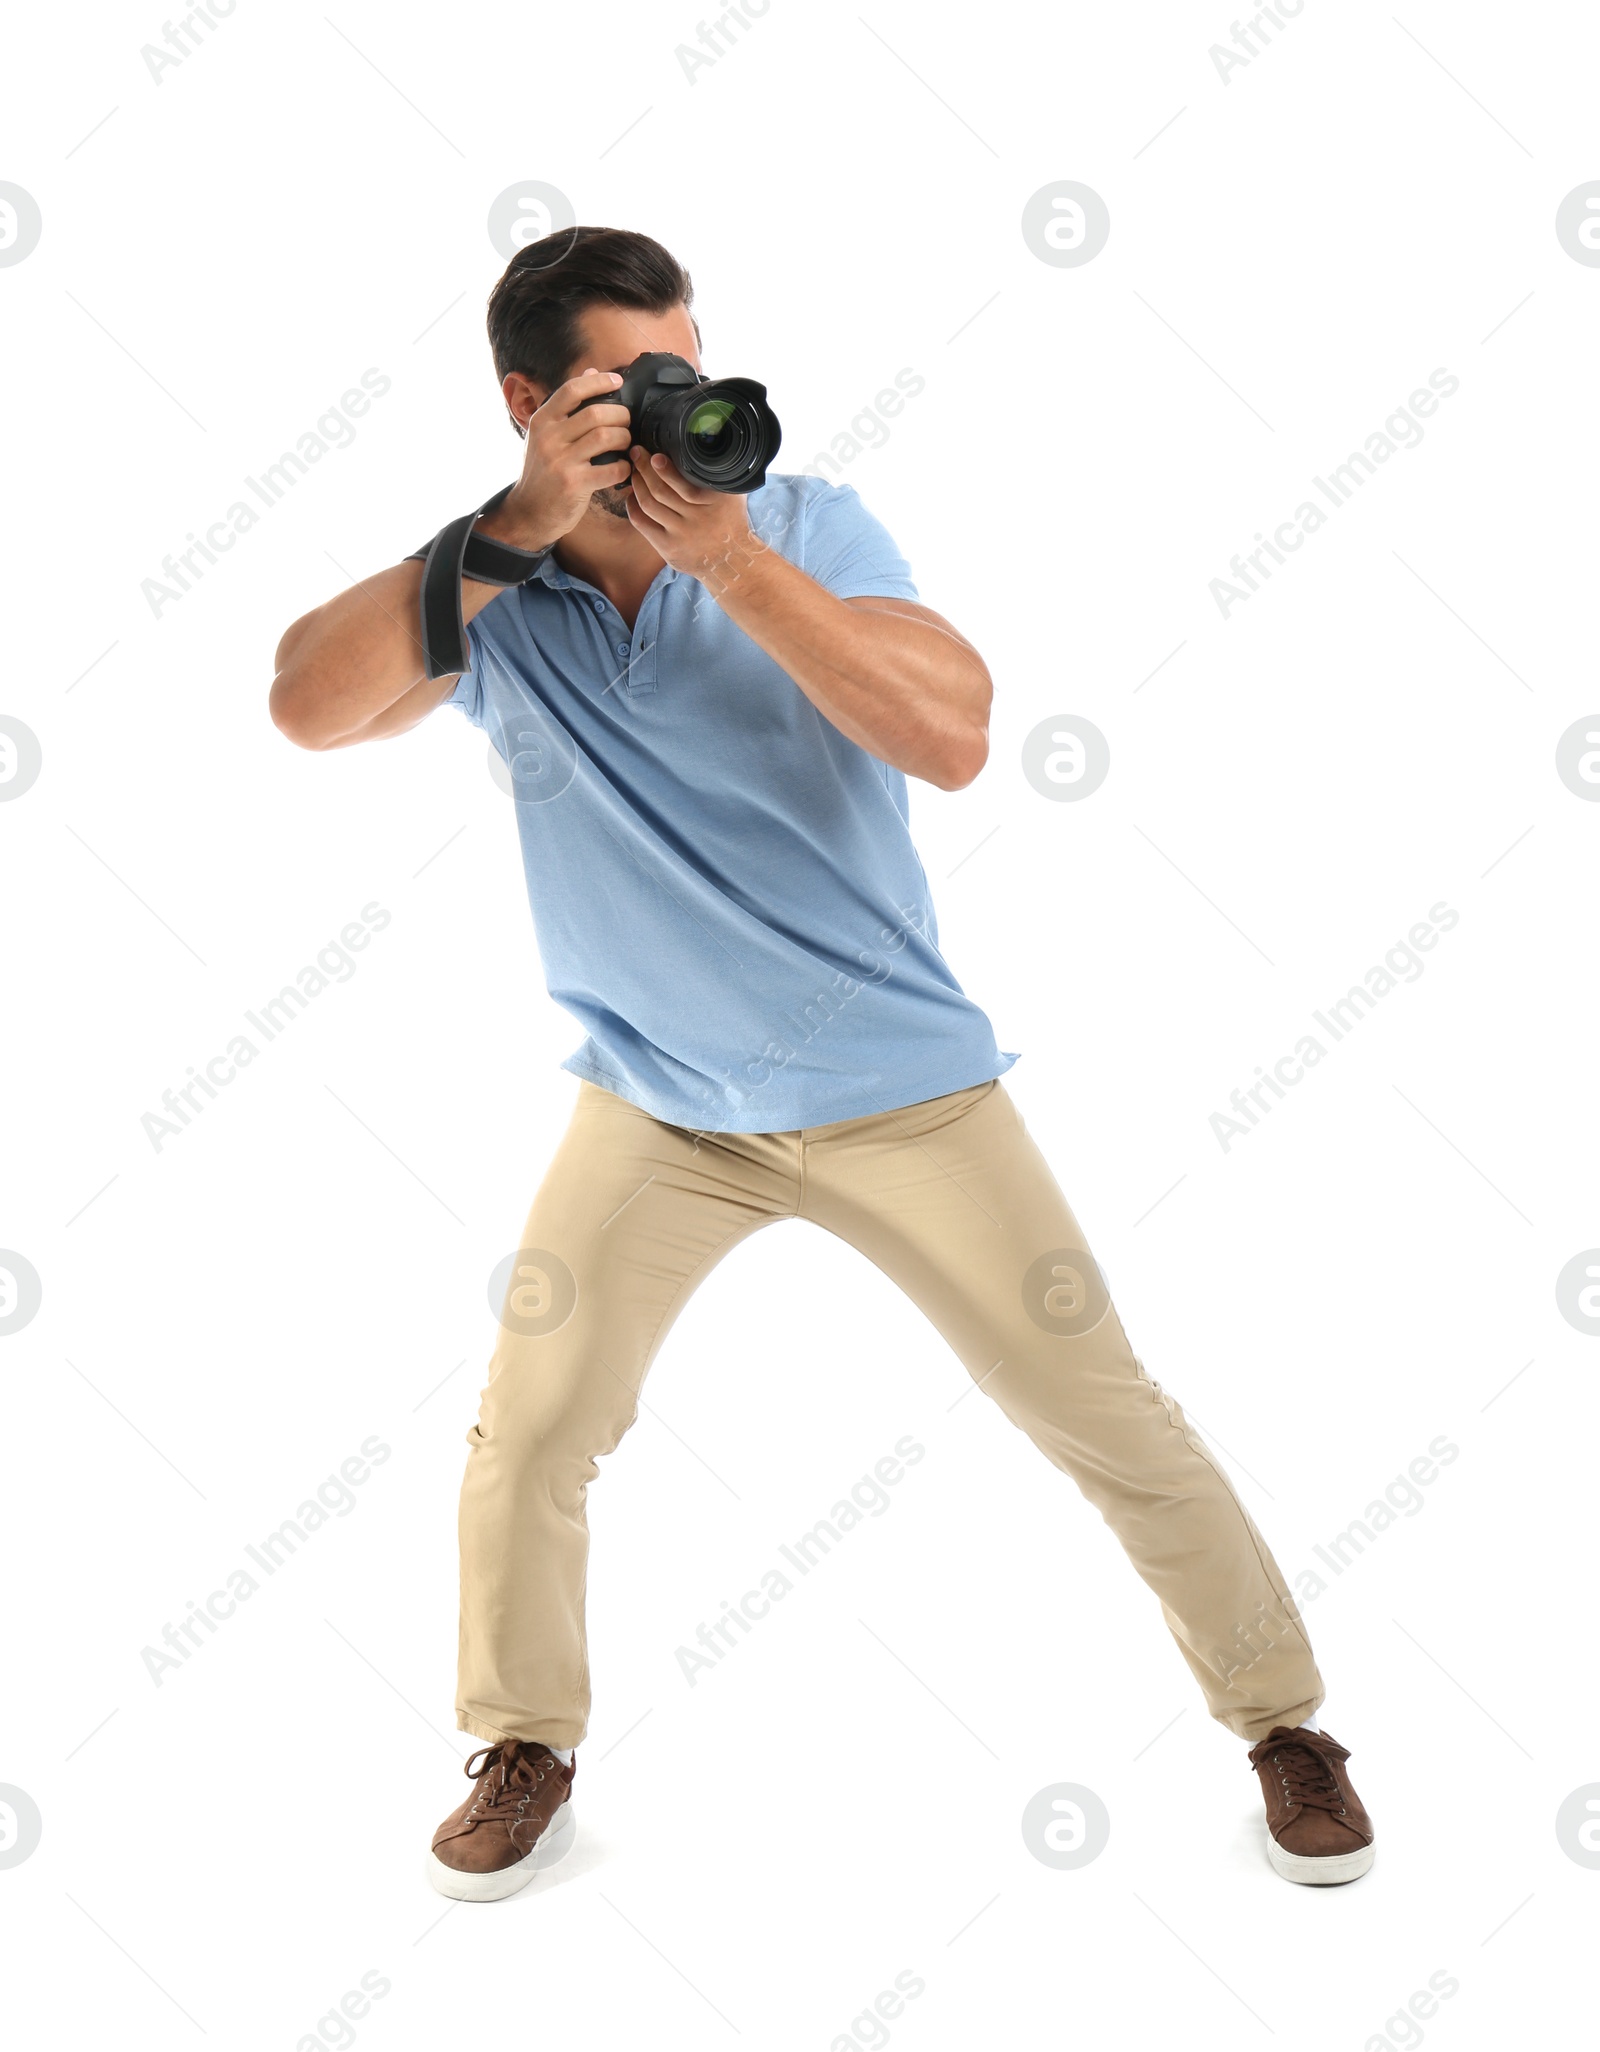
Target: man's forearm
[[907, 689]]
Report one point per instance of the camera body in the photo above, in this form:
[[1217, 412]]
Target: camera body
[[720, 432]]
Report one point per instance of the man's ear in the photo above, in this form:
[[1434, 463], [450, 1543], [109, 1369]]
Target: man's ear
[[523, 396]]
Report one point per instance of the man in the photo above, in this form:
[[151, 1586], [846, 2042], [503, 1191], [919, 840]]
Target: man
[[709, 706]]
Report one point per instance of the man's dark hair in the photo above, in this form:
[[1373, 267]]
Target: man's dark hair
[[533, 311]]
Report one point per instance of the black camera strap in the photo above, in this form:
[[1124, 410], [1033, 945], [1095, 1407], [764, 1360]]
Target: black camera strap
[[457, 551]]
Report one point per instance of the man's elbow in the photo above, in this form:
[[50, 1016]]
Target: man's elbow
[[965, 752], [957, 765], [291, 709], [962, 763], [291, 703]]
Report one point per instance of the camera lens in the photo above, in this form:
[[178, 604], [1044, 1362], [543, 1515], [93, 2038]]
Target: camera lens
[[720, 432], [708, 425], [717, 433]]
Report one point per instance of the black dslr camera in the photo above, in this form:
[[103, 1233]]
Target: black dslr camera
[[720, 432]]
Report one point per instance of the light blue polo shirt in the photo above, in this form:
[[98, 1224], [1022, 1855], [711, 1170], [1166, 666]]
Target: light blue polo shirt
[[724, 888]]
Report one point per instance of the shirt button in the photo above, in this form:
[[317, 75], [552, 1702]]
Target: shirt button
[[622, 648], [599, 605]]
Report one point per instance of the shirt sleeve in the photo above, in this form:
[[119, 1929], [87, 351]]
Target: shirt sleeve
[[848, 551], [468, 694]]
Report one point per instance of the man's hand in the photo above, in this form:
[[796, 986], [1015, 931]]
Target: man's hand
[[352, 670], [558, 478], [701, 533]]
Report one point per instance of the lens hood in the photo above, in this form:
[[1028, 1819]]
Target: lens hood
[[720, 432]]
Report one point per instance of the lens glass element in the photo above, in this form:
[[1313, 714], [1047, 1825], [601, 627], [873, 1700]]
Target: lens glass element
[[710, 427], [720, 432]]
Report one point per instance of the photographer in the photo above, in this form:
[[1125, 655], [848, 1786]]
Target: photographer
[[709, 701]]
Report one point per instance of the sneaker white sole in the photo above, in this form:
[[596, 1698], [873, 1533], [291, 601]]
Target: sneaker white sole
[[1325, 1872], [554, 1845]]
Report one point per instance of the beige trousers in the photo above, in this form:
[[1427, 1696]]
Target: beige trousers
[[952, 1200]]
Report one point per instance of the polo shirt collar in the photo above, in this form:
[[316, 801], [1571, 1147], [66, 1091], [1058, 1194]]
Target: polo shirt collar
[[550, 572]]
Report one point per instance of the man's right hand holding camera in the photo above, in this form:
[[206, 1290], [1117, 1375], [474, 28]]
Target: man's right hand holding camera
[[559, 476], [352, 669]]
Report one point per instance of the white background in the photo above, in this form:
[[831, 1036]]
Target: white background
[[1292, 787]]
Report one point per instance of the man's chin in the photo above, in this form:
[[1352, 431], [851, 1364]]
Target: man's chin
[[612, 499]]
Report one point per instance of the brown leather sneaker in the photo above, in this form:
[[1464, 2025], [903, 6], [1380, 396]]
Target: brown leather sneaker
[[1318, 1830], [517, 1821]]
